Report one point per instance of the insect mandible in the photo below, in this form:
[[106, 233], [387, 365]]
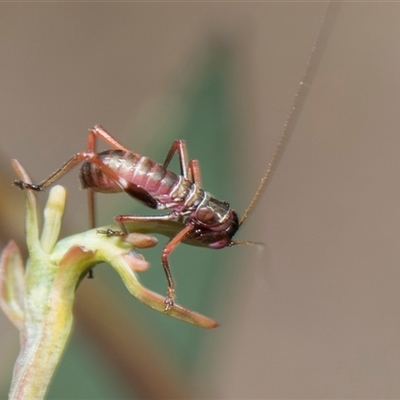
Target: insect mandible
[[204, 219]]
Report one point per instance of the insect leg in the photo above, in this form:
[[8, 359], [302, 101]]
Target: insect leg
[[76, 159], [180, 147], [169, 301], [120, 219], [96, 131], [194, 172], [91, 147], [190, 170], [99, 132]]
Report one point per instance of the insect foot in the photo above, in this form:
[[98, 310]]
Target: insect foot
[[23, 185], [111, 232], [169, 300], [169, 303]]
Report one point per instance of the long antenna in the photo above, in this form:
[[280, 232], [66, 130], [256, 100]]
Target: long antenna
[[299, 99]]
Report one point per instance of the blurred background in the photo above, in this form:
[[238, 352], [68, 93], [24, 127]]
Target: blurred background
[[316, 313]]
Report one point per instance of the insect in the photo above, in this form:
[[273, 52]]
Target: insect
[[202, 218]]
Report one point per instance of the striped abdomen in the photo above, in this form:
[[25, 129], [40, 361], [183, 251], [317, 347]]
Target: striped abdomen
[[131, 168]]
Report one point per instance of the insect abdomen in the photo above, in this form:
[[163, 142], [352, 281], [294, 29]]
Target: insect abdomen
[[133, 168]]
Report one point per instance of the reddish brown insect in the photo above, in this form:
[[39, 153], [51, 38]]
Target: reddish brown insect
[[203, 219]]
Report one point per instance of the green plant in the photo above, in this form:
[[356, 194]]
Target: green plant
[[38, 299]]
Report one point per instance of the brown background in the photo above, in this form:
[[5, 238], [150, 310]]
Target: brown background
[[316, 315]]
